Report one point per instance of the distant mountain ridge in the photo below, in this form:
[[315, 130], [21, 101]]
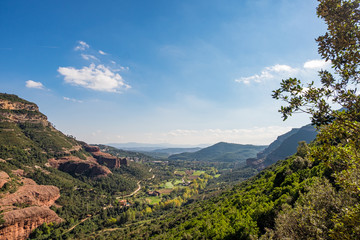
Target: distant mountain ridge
[[148, 147], [284, 146], [221, 152]]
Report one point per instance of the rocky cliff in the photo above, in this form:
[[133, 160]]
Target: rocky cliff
[[21, 111], [27, 208], [21, 222], [105, 158], [74, 165]]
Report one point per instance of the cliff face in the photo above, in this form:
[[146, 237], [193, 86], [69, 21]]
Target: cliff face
[[74, 165], [40, 195], [4, 178], [105, 158], [21, 222], [27, 208], [20, 112]]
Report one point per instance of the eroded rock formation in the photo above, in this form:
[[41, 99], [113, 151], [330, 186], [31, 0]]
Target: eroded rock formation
[[40, 195], [74, 165], [20, 112], [21, 222], [105, 158], [27, 208], [4, 178]]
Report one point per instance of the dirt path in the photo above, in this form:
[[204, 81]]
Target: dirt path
[[133, 193], [82, 220]]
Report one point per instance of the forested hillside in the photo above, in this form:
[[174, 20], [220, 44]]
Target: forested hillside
[[221, 152], [33, 152], [315, 193]]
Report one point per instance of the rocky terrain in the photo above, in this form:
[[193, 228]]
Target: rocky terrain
[[20, 112], [31, 143], [74, 165], [27, 208], [105, 158]]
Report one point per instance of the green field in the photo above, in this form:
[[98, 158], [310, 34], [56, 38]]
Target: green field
[[153, 200], [178, 181], [168, 185], [198, 173]]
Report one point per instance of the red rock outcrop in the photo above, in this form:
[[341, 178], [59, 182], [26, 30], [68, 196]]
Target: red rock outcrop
[[105, 158], [91, 149], [21, 222], [40, 195], [4, 178], [75, 165]]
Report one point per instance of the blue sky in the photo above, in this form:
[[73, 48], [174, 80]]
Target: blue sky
[[182, 72]]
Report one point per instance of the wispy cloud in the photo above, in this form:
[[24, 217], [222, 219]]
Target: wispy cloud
[[73, 100], [95, 77], [284, 71], [89, 57], [102, 53], [33, 84], [268, 73], [81, 46]]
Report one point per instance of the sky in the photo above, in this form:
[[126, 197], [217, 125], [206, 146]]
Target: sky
[[183, 72]]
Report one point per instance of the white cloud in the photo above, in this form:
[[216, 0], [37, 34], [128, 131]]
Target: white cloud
[[33, 84], [284, 71], [99, 78], [280, 68], [102, 53], [316, 64], [81, 46], [276, 71], [88, 57], [72, 100]]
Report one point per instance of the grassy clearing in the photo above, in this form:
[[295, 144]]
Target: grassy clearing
[[169, 185], [153, 200], [178, 181], [198, 173]]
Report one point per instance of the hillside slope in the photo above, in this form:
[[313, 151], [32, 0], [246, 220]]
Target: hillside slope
[[284, 146], [307, 196], [221, 152], [40, 167]]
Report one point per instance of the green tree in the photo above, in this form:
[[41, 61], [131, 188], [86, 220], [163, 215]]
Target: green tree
[[340, 46], [338, 143]]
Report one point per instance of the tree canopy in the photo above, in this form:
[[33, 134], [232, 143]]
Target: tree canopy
[[340, 46]]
